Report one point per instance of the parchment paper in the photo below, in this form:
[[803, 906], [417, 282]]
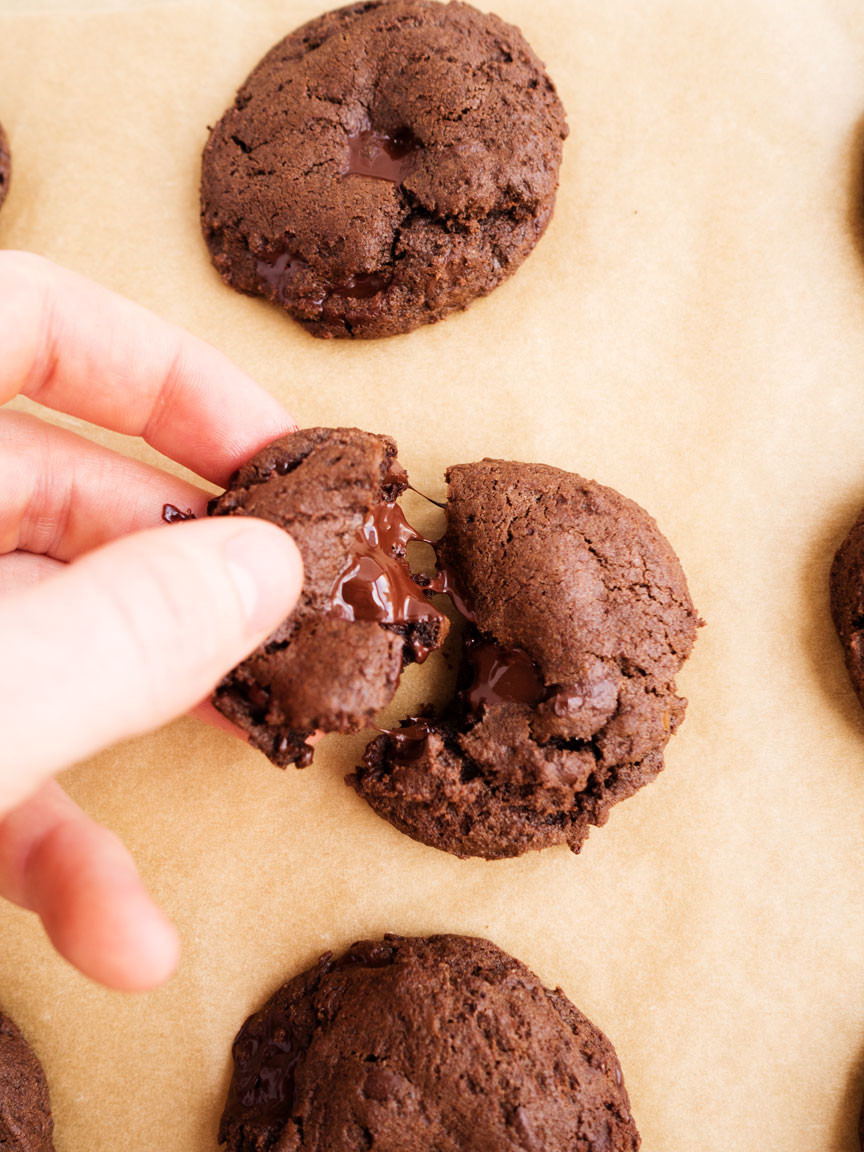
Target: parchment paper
[[690, 331]]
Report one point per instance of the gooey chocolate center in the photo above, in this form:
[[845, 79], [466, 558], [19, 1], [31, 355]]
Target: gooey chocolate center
[[381, 156], [263, 1083], [377, 585]]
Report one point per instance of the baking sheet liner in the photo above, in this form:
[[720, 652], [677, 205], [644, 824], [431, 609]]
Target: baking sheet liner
[[689, 331]]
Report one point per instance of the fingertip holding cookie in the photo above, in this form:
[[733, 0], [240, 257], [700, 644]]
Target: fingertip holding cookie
[[335, 662]]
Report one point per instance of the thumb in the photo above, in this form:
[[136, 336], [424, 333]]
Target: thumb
[[131, 635]]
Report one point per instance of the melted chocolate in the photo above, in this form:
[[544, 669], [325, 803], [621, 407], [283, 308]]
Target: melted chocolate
[[171, 514], [395, 476], [377, 584], [501, 676], [437, 503], [279, 273], [263, 1083], [445, 584], [408, 742], [373, 154], [363, 286], [381, 156]]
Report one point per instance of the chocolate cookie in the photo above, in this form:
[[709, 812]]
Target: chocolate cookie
[[579, 618], [336, 661], [5, 165], [847, 602], [408, 1045], [383, 166], [25, 1109]]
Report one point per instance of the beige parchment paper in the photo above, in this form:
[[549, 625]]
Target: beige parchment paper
[[690, 331]]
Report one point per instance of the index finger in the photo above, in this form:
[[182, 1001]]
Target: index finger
[[76, 347]]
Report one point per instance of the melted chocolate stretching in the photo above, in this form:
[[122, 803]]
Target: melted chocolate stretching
[[492, 673], [377, 583]]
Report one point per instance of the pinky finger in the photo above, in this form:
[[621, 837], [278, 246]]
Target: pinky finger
[[83, 884]]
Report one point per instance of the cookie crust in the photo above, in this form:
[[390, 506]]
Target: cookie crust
[[25, 1108], [408, 1044], [383, 166], [321, 670], [580, 581]]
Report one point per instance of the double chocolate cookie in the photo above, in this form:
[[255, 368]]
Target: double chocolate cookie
[[5, 165], [25, 1109], [383, 166], [847, 602], [407, 1045], [578, 618], [336, 661]]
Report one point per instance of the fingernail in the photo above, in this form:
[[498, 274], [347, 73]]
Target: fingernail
[[264, 565]]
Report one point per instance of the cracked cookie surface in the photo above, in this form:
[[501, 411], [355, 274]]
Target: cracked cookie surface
[[579, 619], [383, 166], [410, 1044], [361, 616], [25, 1109]]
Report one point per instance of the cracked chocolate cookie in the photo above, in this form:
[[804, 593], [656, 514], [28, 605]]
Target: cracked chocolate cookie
[[25, 1109], [579, 618], [383, 166], [847, 602], [5, 166], [336, 660], [406, 1045]]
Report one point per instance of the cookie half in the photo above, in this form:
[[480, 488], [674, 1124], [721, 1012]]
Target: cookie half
[[335, 662], [579, 617], [25, 1108], [383, 166], [404, 1045], [5, 165]]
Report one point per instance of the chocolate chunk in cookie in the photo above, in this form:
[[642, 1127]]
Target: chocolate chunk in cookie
[[579, 618], [383, 166], [5, 165], [336, 660], [406, 1044], [25, 1109], [847, 602]]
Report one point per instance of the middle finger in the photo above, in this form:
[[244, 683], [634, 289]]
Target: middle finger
[[61, 495]]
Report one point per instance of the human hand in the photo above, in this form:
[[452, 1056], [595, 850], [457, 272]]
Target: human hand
[[110, 625]]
